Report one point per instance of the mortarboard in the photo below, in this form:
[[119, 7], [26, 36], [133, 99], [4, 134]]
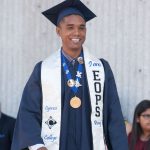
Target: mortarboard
[[68, 7]]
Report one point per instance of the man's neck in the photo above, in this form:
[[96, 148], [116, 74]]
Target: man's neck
[[72, 53]]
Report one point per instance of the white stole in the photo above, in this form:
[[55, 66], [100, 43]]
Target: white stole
[[51, 109]]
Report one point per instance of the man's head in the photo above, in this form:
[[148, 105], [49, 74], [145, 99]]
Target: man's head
[[70, 19], [72, 30]]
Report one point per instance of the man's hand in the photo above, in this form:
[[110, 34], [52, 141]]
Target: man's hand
[[42, 148]]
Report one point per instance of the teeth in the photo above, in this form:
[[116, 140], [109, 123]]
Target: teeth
[[75, 40]]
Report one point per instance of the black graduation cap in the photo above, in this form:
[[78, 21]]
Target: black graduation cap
[[68, 7]]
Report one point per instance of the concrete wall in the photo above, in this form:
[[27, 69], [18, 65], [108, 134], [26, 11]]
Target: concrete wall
[[120, 34]]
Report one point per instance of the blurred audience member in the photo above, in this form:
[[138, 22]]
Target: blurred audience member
[[139, 138]]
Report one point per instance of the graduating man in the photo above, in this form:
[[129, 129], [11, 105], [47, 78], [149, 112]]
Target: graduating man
[[70, 101]]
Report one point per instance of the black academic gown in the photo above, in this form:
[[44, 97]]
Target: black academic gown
[[75, 127], [7, 125]]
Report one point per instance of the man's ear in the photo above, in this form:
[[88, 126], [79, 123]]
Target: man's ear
[[58, 31]]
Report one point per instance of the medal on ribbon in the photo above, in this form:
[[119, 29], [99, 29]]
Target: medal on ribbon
[[75, 101]]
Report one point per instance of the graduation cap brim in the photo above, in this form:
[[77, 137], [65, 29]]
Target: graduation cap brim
[[52, 14]]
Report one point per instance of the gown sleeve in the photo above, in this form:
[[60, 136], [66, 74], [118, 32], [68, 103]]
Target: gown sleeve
[[28, 125], [114, 126]]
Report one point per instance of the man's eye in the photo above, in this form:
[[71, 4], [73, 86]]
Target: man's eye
[[69, 28], [82, 28]]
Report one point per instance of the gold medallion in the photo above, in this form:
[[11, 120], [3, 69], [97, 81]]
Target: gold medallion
[[75, 102], [71, 82]]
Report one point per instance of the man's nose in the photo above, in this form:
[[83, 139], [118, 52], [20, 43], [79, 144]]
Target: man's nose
[[76, 31]]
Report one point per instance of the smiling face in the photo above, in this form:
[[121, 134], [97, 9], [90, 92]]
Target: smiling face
[[72, 30]]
